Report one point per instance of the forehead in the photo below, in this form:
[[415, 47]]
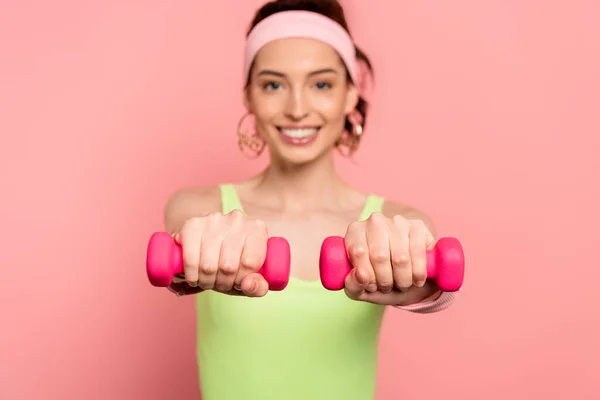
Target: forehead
[[297, 55]]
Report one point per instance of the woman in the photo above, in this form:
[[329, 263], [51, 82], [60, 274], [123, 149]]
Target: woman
[[305, 342]]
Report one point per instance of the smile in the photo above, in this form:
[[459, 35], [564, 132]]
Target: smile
[[299, 136]]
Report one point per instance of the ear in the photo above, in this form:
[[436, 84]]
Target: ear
[[351, 98]]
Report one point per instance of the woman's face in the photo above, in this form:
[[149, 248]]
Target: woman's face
[[300, 96]]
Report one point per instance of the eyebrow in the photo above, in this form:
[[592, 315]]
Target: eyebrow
[[281, 75]]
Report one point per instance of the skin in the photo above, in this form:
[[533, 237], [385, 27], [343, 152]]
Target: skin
[[299, 196]]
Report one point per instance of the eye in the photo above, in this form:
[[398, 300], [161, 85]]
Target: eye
[[272, 86], [322, 85]]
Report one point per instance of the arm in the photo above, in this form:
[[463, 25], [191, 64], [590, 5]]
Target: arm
[[190, 203], [183, 205], [429, 298]]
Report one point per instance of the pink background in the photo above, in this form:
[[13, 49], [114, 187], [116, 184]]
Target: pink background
[[485, 114]]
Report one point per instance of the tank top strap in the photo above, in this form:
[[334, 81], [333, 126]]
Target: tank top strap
[[230, 201], [229, 198], [373, 204]]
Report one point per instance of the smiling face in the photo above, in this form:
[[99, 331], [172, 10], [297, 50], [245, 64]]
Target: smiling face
[[300, 96]]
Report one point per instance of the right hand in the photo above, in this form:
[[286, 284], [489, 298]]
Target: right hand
[[222, 252]]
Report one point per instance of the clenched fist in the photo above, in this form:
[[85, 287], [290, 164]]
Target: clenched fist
[[389, 256], [222, 252]]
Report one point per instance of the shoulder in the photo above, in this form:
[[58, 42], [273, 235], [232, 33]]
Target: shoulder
[[391, 209], [188, 203]]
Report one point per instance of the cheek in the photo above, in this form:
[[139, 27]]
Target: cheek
[[265, 108], [331, 108]]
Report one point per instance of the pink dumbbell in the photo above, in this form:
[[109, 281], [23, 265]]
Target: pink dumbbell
[[164, 260], [445, 264]]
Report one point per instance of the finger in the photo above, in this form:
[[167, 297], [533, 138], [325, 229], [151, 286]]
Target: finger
[[400, 254], [190, 239], [378, 243], [254, 285], [389, 299], [418, 251], [229, 260], [357, 252], [356, 284], [430, 239], [254, 252], [210, 249]]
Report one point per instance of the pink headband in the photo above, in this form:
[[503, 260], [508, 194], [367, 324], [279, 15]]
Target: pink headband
[[306, 24]]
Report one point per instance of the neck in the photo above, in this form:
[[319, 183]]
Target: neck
[[298, 187]]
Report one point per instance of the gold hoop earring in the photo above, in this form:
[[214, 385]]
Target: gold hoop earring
[[248, 138]]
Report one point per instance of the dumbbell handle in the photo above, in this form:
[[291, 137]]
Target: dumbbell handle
[[445, 264], [164, 260]]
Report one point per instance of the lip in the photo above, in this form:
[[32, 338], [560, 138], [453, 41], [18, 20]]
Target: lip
[[299, 141], [298, 127]]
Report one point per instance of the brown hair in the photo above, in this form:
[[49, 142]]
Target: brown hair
[[329, 8]]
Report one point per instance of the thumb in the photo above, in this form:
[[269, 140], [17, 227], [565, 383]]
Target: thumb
[[355, 285]]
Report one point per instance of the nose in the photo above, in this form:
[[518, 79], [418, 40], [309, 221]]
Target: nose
[[296, 105]]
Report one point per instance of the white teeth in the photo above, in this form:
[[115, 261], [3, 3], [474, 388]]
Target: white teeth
[[299, 133]]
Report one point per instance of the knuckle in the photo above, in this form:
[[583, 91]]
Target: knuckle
[[236, 216], [401, 224], [357, 251], [377, 218], [259, 226], [190, 265], [191, 224], [418, 223], [355, 225], [400, 259], [228, 267], [236, 213], [223, 286], [207, 268], [251, 261], [403, 284], [419, 275], [214, 217], [385, 284], [259, 223], [190, 259], [379, 256], [399, 220]]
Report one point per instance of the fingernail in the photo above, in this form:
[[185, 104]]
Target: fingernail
[[419, 283], [254, 287], [372, 287]]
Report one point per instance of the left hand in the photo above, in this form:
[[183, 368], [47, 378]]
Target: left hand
[[389, 256]]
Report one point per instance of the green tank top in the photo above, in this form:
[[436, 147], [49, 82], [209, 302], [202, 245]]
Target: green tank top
[[302, 343]]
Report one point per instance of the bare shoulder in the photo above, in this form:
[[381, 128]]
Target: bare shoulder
[[188, 203], [391, 209]]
